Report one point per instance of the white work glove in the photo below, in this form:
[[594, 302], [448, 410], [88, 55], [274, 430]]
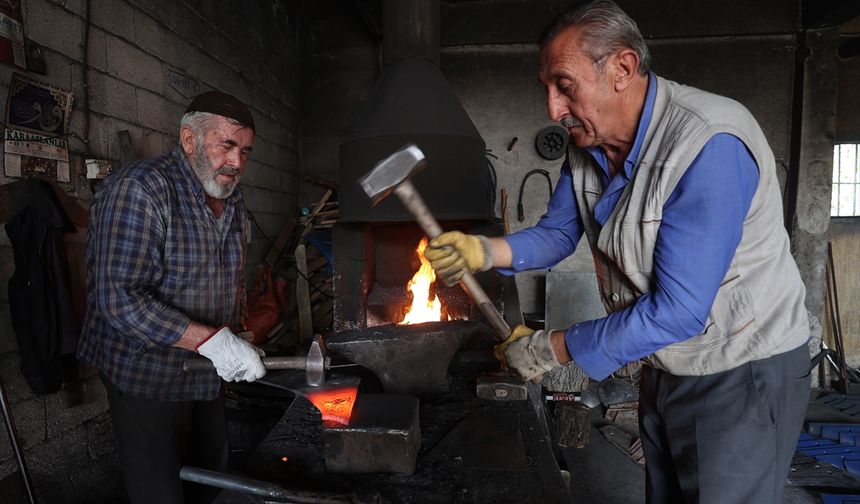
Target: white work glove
[[234, 358], [527, 352]]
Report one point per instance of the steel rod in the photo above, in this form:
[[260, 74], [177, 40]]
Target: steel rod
[[13, 440], [259, 488]]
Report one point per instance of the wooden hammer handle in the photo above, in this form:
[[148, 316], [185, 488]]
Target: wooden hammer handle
[[416, 206]]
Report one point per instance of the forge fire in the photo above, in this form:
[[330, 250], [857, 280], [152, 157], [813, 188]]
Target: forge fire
[[426, 306]]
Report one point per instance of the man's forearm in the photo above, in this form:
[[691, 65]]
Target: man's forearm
[[193, 335], [502, 254], [559, 347]]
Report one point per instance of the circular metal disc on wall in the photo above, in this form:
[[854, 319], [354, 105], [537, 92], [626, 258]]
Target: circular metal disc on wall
[[551, 142]]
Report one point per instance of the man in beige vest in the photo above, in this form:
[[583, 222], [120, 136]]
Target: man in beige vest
[[676, 192]]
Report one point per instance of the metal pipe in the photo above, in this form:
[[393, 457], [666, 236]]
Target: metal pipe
[[13, 440], [259, 488]]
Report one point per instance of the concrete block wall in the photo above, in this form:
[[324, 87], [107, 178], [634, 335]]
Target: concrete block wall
[[145, 59]]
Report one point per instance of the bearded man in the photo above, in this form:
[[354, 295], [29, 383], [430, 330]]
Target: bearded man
[[165, 281]]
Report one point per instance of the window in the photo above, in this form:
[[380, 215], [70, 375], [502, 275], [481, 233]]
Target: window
[[845, 199]]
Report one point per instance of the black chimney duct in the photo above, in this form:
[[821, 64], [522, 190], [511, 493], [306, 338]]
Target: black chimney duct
[[412, 102]]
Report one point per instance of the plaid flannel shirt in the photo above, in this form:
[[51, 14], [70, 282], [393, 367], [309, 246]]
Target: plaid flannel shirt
[[156, 260]]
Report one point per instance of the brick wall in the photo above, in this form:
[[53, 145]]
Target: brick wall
[[145, 59]]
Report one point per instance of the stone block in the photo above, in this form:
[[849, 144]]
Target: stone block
[[158, 113], [383, 435], [132, 65], [76, 6], [111, 97], [102, 130], [266, 176], [96, 49], [146, 6], [186, 23], [267, 153], [150, 34], [53, 27], [115, 17], [59, 70]]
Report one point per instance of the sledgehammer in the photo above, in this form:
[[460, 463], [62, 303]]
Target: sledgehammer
[[392, 174]]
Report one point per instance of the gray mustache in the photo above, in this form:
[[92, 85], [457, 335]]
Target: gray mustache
[[226, 170]]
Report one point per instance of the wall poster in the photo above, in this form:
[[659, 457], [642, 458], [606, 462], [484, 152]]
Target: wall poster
[[37, 118]]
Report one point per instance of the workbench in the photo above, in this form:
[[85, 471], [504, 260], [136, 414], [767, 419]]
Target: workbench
[[472, 451]]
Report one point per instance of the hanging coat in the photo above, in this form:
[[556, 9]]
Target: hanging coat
[[39, 301]]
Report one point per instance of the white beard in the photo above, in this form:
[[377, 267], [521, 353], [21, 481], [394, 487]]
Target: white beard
[[203, 169]]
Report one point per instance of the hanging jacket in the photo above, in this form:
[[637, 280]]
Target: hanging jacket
[[39, 302]]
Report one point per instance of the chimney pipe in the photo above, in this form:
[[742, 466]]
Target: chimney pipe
[[410, 30]]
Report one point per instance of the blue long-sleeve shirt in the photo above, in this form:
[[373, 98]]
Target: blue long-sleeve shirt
[[701, 228]]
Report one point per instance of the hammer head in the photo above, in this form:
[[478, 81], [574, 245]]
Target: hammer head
[[391, 172], [316, 363]]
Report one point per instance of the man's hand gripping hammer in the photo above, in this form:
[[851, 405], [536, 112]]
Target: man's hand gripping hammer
[[393, 174], [315, 364]]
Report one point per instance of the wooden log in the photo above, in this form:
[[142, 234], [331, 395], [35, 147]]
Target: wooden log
[[303, 296]]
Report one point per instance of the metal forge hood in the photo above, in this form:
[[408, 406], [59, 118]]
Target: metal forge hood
[[412, 102]]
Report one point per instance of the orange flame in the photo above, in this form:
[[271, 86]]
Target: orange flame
[[334, 404], [423, 308]]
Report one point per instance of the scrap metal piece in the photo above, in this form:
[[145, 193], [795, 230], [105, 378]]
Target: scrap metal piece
[[501, 387], [345, 387], [407, 359], [614, 391], [384, 435], [590, 396]]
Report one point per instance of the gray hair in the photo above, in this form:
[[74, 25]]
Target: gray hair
[[201, 122], [606, 29]]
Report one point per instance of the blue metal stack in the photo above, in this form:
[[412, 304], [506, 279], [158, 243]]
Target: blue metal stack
[[837, 444], [833, 443]]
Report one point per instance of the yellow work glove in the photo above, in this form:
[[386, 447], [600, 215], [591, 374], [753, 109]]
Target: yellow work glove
[[453, 252], [528, 353]]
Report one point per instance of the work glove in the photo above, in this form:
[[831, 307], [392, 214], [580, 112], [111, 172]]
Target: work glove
[[528, 353], [453, 252], [234, 358]]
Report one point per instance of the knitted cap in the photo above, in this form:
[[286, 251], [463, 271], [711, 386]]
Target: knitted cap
[[216, 102]]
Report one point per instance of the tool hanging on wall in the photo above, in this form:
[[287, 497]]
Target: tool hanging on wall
[[520, 211]]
